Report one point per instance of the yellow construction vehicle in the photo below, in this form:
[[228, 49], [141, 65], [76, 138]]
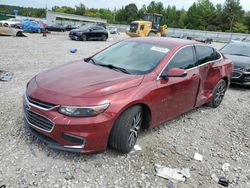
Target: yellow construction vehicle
[[150, 26]]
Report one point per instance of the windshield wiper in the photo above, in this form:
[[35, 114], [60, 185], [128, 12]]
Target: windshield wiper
[[90, 59], [115, 68]]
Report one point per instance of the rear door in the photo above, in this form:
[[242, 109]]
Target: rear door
[[207, 61], [96, 32], [178, 95]]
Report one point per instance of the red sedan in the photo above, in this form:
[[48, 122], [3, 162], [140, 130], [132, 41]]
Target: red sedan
[[135, 84]]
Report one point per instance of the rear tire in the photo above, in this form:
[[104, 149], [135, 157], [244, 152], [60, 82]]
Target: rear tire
[[218, 94], [124, 133]]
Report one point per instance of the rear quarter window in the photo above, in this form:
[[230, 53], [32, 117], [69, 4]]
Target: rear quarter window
[[206, 54]]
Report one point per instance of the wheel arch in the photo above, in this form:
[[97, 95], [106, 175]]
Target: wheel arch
[[226, 80], [147, 113]]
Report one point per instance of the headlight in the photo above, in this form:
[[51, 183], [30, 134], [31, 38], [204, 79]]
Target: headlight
[[86, 111]]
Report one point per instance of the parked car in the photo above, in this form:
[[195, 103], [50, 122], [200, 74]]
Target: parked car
[[204, 40], [89, 32], [112, 30], [55, 27], [238, 39], [7, 30], [70, 27], [239, 53], [135, 84], [13, 22], [31, 26]]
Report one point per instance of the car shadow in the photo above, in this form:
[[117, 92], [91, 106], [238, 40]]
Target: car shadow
[[239, 87]]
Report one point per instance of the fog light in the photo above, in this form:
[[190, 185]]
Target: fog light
[[73, 139], [247, 78]]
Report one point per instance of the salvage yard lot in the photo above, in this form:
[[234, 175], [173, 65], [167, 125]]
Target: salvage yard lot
[[221, 135]]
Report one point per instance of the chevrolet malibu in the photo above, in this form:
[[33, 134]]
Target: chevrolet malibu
[[106, 99]]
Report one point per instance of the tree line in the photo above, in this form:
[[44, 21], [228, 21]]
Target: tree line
[[202, 14]]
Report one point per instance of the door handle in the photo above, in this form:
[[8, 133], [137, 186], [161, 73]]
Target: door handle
[[194, 76]]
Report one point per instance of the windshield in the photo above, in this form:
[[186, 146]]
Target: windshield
[[236, 49], [136, 58], [85, 26]]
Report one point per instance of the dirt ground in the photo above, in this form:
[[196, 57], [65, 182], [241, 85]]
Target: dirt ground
[[221, 135]]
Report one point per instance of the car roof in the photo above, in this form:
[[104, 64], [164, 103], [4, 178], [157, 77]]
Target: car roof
[[164, 41]]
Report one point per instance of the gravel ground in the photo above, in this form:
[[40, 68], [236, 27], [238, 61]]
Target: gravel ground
[[221, 135]]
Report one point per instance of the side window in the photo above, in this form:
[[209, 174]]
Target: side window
[[142, 27], [216, 55], [184, 59], [204, 54]]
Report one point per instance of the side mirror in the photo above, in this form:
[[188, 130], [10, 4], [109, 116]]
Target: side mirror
[[90, 30], [174, 72]]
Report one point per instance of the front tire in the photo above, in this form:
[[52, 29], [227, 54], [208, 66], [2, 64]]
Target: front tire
[[124, 133], [152, 34], [104, 37], [218, 94], [84, 37]]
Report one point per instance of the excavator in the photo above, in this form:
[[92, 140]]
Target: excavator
[[150, 26]]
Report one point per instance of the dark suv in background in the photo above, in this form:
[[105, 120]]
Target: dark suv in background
[[89, 32], [55, 27]]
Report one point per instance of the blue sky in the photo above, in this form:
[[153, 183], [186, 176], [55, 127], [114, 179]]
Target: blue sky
[[108, 3]]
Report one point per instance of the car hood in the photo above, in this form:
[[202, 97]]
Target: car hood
[[82, 80], [239, 61]]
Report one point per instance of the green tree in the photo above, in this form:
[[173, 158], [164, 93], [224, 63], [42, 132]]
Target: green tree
[[239, 27], [193, 18], [106, 14], [120, 16], [64, 9], [232, 13], [246, 20], [93, 12], [131, 12], [80, 10], [155, 7], [142, 12]]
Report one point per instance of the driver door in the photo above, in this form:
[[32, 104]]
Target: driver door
[[177, 95]]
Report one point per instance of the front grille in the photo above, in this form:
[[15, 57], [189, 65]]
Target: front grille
[[236, 74], [38, 121], [133, 27], [40, 103]]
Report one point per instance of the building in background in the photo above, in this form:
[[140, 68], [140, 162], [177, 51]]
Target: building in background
[[63, 18]]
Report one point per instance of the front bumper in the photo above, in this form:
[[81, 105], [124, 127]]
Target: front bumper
[[73, 37], [84, 135], [240, 77], [50, 142]]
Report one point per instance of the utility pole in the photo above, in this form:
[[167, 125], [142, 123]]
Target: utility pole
[[114, 15]]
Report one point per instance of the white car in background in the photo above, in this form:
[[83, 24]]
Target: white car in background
[[112, 29], [7, 30]]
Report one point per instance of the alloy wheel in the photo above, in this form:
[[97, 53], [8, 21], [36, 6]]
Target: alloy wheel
[[220, 92], [136, 124]]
